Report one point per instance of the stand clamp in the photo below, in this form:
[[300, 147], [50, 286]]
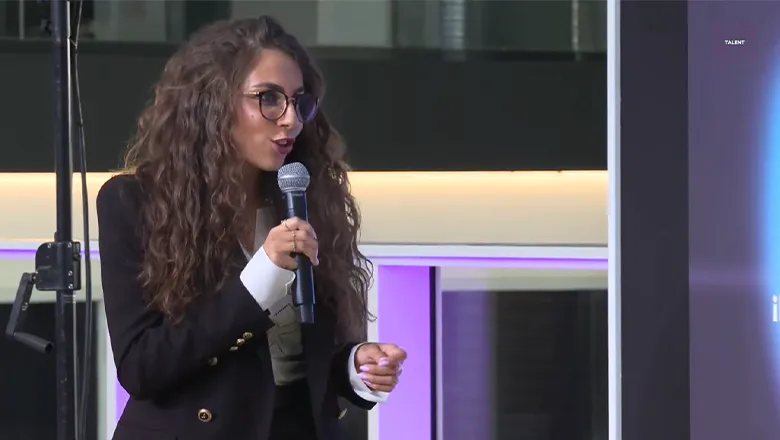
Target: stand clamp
[[57, 268]]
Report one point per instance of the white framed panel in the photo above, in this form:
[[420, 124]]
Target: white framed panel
[[613, 220]]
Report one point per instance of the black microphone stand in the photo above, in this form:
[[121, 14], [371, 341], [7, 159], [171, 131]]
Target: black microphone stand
[[58, 263]]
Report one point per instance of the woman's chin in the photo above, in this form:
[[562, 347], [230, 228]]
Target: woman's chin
[[270, 165]]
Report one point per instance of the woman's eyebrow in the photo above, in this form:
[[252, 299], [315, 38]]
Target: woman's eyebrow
[[277, 87]]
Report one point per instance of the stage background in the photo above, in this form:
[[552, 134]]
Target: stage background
[[414, 85], [734, 177]]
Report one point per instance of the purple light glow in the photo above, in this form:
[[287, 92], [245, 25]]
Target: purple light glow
[[404, 318], [498, 263], [467, 357], [29, 254], [121, 398]]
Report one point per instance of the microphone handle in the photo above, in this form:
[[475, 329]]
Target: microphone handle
[[303, 296]]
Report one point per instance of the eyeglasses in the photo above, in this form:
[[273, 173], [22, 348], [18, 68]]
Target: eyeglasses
[[273, 104]]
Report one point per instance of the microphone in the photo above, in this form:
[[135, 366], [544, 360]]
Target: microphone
[[293, 180]]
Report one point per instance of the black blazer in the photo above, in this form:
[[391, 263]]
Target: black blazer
[[208, 377]]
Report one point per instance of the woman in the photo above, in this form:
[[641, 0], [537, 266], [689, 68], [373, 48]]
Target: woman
[[195, 254]]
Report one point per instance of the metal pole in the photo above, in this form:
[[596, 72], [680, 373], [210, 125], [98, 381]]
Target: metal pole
[[65, 318], [575, 29], [22, 20]]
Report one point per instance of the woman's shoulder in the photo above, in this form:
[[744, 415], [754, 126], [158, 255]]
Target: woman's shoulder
[[120, 193], [118, 207]]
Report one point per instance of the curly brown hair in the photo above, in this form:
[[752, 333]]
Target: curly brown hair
[[191, 172]]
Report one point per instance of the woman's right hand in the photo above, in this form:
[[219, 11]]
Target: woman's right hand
[[290, 237]]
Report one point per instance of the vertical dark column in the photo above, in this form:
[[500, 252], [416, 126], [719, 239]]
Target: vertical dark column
[[654, 220], [5, 21], [199, 13], [65, 313]]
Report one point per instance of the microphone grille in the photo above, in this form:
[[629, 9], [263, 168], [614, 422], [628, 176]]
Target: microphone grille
[[293, 177]]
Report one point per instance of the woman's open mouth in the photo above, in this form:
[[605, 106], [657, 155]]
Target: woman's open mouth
[[283, 146]]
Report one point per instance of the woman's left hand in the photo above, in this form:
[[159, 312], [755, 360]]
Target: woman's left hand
[[380, 365]]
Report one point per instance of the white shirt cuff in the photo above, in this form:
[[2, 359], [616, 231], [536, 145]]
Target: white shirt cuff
[[267, 282], [360, 388]]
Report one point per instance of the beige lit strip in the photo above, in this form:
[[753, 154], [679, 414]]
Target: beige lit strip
[[561, 208]]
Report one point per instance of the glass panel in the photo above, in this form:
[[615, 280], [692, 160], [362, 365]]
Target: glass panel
[[528, 26], [139, 20], [11, 14], [524, 355], [298, 17], [372, 91]]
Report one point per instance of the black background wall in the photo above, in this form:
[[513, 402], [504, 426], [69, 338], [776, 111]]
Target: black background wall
[[398, 109], [551, 365], [524, 365], [28, 400]]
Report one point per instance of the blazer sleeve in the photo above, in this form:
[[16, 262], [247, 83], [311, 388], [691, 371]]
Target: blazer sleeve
[[339, 371], [152, 354]]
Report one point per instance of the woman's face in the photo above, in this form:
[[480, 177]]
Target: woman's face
[[265, 141]]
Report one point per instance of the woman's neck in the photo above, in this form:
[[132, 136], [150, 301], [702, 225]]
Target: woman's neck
[[258, 191], [248, 214]]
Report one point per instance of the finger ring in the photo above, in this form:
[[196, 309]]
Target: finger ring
[[294, 245], [284, 223]]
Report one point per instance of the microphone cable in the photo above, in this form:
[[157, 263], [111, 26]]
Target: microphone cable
[[84, 368]]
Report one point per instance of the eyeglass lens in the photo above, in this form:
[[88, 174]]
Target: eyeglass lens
[[273, 104]]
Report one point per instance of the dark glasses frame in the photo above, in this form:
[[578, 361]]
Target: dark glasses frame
[[258, 96]]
